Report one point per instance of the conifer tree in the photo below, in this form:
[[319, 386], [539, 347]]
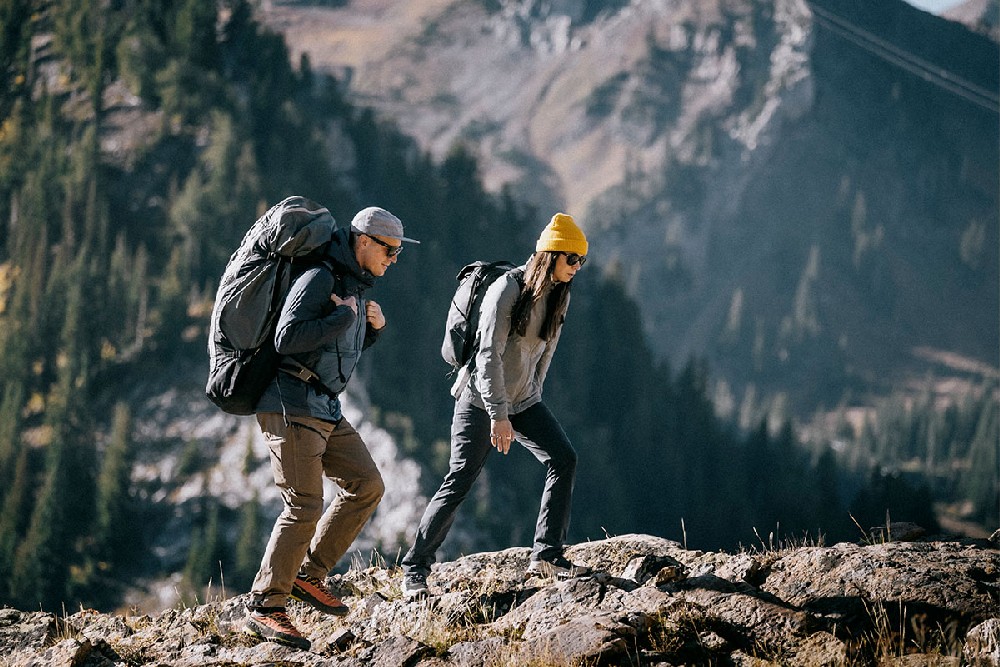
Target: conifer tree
[[171, 312], [194, 32], [218, 201], [831, 518], [249, 457], [982, 482], [113, 531], [15, 31], [248, 544], [203, 556], [40, 574], [79, 33], [13, 521], [10, 426], [757, 470]]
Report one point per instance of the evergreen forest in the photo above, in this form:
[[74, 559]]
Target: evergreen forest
[[139, 139]]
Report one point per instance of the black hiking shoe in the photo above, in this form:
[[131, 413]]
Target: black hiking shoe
[[557, 566], [273, 624], [414, 585], [313, 591]]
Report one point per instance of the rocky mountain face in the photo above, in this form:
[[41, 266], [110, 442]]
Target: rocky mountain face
[[802, 193], [649, 602]]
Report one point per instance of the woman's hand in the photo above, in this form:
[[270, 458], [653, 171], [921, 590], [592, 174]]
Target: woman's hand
[[501, 435]]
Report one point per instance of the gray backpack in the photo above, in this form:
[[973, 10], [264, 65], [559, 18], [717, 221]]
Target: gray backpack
[[242, 358]]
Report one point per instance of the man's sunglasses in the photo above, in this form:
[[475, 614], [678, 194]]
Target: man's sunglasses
[[573, 259], [390, 250]]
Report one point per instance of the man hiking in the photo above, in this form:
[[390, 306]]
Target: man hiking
[[324, 325]]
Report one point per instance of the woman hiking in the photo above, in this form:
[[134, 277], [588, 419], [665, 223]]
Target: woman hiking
[[498, 398]]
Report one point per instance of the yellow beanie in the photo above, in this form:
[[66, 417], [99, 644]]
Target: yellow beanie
[[562, 235]]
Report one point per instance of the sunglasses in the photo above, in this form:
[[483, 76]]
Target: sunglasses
[[573, 259], [390, 250]]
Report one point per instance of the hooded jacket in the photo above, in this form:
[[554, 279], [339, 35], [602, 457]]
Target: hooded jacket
[[322, 336], [509, 369]]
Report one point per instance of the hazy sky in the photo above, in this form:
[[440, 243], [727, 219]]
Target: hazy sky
[[935, 6]]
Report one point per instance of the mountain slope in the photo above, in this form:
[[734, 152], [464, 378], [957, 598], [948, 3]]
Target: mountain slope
[[785, 193]]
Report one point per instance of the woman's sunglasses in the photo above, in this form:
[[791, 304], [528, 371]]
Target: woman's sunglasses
[[573, 259], [390, 250]]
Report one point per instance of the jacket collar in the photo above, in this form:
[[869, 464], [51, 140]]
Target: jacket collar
[[346, 264]]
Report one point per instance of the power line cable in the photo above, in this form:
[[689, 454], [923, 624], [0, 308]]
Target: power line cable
[[891, 53]]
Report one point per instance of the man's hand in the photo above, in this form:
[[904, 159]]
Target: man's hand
[[351, 302], [373, 313], [501, 435]]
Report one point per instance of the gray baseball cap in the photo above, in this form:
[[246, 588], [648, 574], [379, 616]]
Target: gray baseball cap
[[379, 222]]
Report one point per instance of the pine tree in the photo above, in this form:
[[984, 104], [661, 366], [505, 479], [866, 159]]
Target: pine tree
[[194, 33], [202, 564], [249, 457], [831, 517], [171, 311], [10, 427], [758, 471], [248, 544], [40, 573], [218, 201], [982, 481], [12, 521], [112, 536], [15, 32]]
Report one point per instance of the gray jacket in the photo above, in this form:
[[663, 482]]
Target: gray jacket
[[509, 369], [324, 337]]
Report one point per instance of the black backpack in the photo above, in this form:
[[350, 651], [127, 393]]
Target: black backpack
[[242, 358], [460, 333]]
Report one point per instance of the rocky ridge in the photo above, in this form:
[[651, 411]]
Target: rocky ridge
[[650, 602]]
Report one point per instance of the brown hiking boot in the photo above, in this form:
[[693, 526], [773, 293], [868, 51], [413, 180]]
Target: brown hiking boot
[[273, 624], [313, 591]]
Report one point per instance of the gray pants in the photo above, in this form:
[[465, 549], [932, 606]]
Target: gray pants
[[303, 450], [542, 435]]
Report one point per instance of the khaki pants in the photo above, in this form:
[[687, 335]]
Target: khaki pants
[[303, 450]]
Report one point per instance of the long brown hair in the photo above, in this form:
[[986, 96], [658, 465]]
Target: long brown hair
[[537, 277]]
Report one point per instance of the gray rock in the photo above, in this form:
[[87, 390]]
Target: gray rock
[[477, 653], [802, 606], [586, 640], [897, 531], [342, 639], [982, 643], [67, 653], [944, 575], [822, 648], [21, 631], [661, 569], [398, 652]]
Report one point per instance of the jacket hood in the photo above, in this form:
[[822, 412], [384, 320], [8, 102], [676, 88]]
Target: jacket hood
[[341, 254]]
